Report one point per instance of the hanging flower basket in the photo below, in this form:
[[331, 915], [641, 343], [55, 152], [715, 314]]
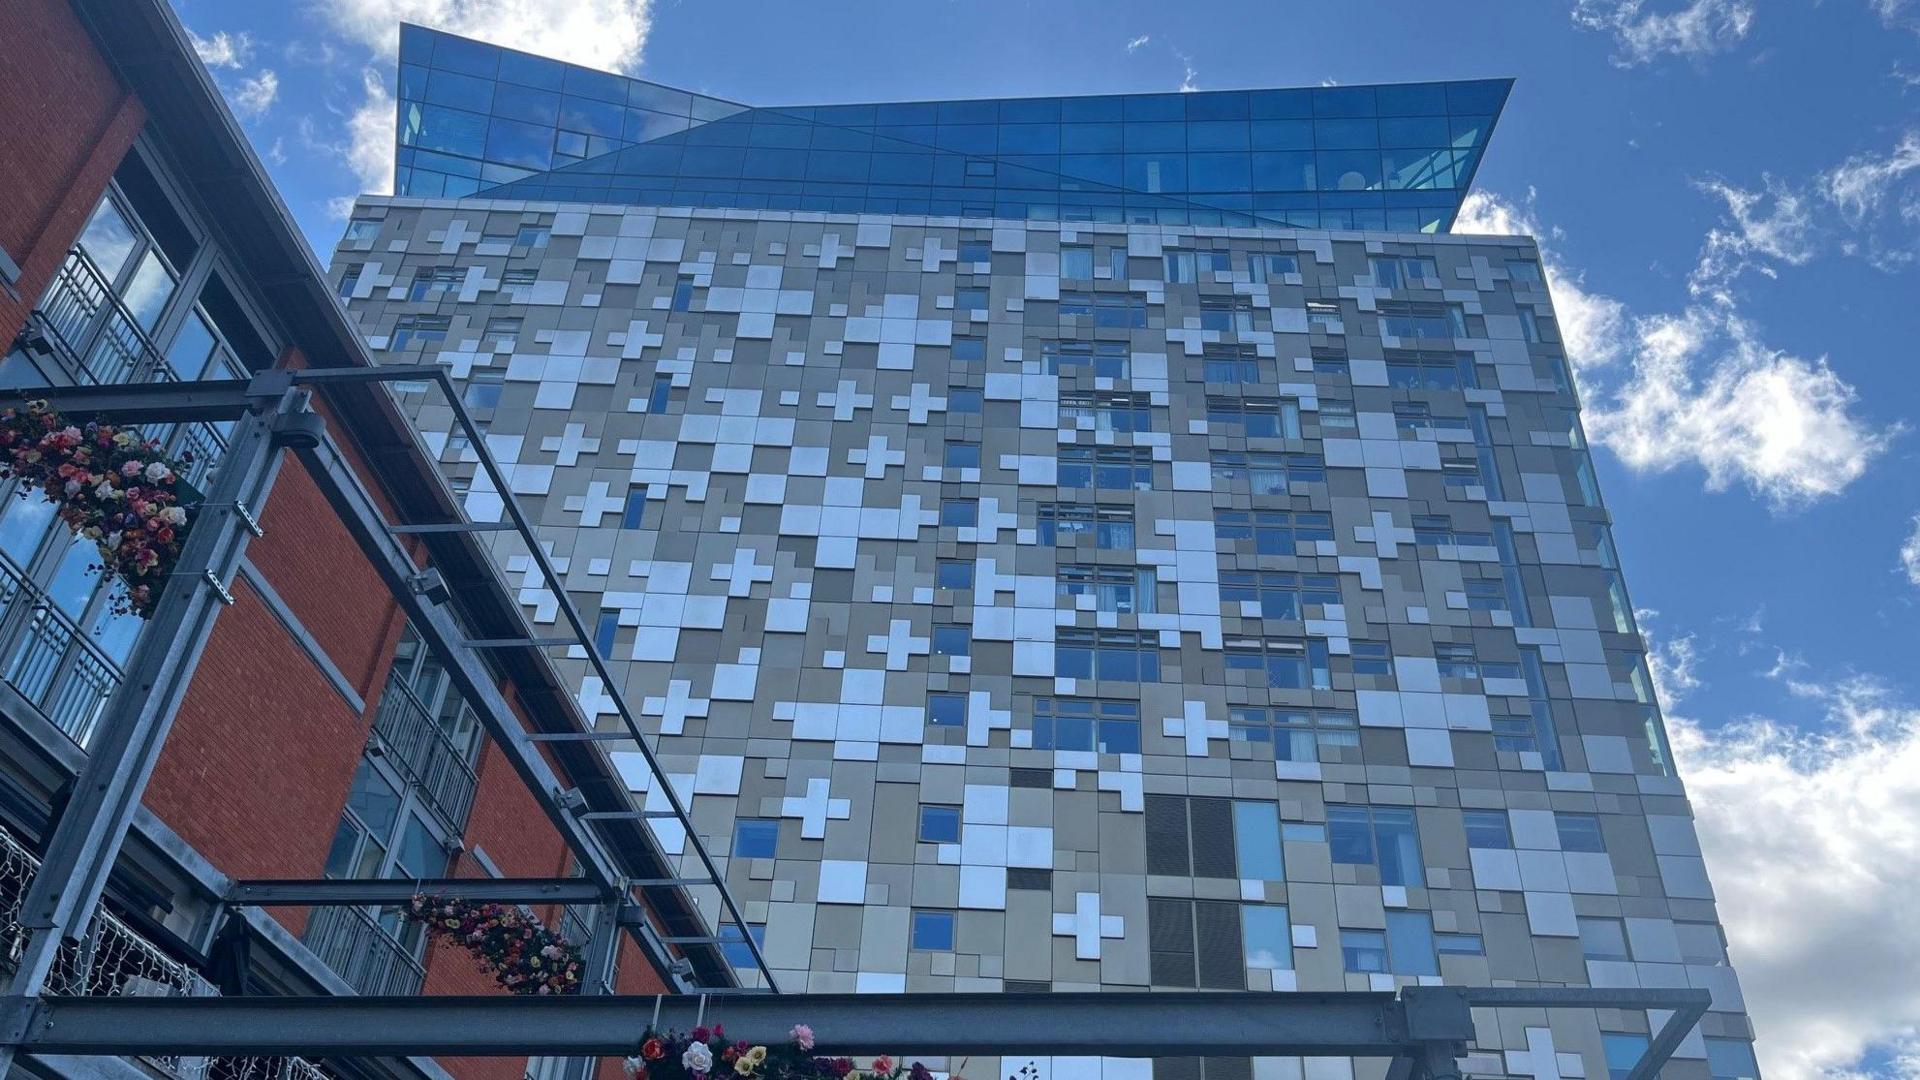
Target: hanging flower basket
[[109, 485], [518, 950], [706, 1052]]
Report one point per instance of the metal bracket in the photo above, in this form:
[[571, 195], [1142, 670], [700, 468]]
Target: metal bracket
[[218, 589]]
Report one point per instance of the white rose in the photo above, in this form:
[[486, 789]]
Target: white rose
[[176, 516], [697, 1059], [156, 472]]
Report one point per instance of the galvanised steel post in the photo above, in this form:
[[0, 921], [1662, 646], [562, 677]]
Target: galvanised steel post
[[133, 728]]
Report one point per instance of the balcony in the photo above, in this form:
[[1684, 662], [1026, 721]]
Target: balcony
[[359, 949], [49, 660], [113, 960], [413, 739]]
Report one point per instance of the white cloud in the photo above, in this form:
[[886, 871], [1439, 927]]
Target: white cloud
[[1910, 554], [1187, 73], [1696, 29], [222, 50], [256, 93], [1862, 184], [1670, 660], [1139, 43], [1699, 387], [369, 147], [1813, 841], [596, 33], [1771, 225]]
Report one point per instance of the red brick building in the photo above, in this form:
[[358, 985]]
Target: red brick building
[[321, 734]]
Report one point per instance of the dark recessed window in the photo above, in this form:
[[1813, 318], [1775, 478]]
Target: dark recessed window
[[755, 839], [940, 824], [953, 574], [933, 931], [947, 710]]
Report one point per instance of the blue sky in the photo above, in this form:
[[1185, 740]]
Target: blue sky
[[1729, 191]]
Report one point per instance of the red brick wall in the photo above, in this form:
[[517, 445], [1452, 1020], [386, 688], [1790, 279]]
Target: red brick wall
[[68, 122]]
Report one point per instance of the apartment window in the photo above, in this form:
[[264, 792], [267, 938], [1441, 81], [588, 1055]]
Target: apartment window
[[1254, 418], [1525, 272], [953, 574], [349, 278], [1416, 418], [411, 330], [1431, 532], [933, 931], [1122, 590], [972, 303], [1623, 1052], [952, 641], [1545, 737], [1410, 943], [1324, 315], [432, 282], [1256, 842], [1370, 657], [1331, 365], [1184, 267], [1460, 473], [1281, 734], [1266, 939], [1263, 267], [1266, 472], [969, 350], [1280, 594], [975, 251], [1484, 593], [1404, 272], [1076, 263], [1364, 951], [517, 285], [1603, 939], [501, 331], [1488, 829], [733, 944], [962, 455], [755, 838], [1579, 832], [1195, 943], [1700, 943], [1106, 467], [532, 236], [1273, 532], [1287, 665], [603, 633], [939, 824], [383, 832], [959, 513], [483, 389], [1430, 372], [947, 710], [1456, 660], [1104, 359], [1459, 945], [1731, 1059], [1115, 655], [363, 229], [1110, 526], [1112, 311], [962, 401], [1108, 727], [1436, 322], [1236, 364], [1123, 413], [660, 395], [1529, 324], [682, 295], [1382, 836], [1226, 314], [633, 515]]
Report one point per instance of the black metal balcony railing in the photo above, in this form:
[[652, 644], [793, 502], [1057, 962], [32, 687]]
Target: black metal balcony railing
[[113, 960], [414, 740], [352, 942], [50, 661]]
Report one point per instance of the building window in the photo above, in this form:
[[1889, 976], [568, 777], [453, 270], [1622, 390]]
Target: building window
[[363, 229], [532, 236], [1254, 418], [1076, 263], [411, 330], [1364, 951], [1117, 655], [1404, 948], [1380, 836], [1623, 1052], [1106, 412], [1110, 526], [953, 574], [1281, 734], [952, 641], [1459, 945], [1262, 472], [962, 455], [1107, 311], [1731, 1059], [349, 278], [1277, 594], [483, 389], [947, 710], [682, 295], [1286, 665], [1232, 364], [1184, 267], [1525, 272], [975, 251], [1488, 829], [964, 401], [634, 514], [1121, 590], [432, 282], [1105, 359], [755, 838], [733, 944], [939, 824], [959, 513], [969, 350], [501, 331], [1266, 940], [1404, 272], [1536, 731], [603, 633], [1373, 658], [1106, 467], [933, 931], [1273, 532], [1107, 727], [659, 397], [1579, 832], [1263, 267], [1701, 943], [517, 285], [1256, 843], [1603, 939], [1427, 372], [1226, 314], [1432, 322], [972, 303], [1431, 532], [1324, 315], [1456, 660]]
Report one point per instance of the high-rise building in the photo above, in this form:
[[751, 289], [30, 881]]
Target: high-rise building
[[1095, 542]]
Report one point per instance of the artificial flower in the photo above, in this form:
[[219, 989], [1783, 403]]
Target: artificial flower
[[697, 1059], [750, 1061], [802, 1036]]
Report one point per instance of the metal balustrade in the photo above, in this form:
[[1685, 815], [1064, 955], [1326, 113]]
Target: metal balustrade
[[113, 960], [414, 740], [351, 941], [51, 662]]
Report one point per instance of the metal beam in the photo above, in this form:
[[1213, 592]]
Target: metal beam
[[1685, 1008], [157, 403], [330, 892], [1104, 1024], [456, 527]]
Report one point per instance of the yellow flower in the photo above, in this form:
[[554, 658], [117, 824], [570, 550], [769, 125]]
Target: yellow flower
[[750, 1061]]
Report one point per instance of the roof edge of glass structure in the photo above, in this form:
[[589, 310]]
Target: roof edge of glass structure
[[476, 118]]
